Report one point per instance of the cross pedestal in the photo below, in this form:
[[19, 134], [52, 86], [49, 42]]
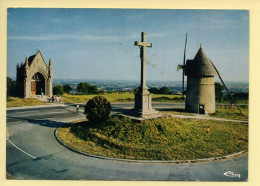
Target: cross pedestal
[[143, 98]]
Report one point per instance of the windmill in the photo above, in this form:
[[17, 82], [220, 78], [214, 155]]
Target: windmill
[[200, 93]]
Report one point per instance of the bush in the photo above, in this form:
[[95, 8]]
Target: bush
[[87, 88], [165, 90], [67, 88], [154, 90], [97, 109], [219, 92], [58, 90], [11, 87]]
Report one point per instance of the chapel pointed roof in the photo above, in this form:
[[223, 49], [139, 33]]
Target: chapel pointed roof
[[31, 58], [200, 66]]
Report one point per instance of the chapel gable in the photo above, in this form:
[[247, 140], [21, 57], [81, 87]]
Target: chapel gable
[[34, 77], [37, 61]]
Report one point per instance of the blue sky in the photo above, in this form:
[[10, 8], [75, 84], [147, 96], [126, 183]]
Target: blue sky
[[99, 43]]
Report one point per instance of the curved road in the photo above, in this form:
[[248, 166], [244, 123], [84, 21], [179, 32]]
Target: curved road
[[32, 152]]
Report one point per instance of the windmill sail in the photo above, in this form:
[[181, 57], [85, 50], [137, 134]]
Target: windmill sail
[[183, 67]]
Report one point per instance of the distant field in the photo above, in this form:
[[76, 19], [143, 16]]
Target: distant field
[[120, 97], [129, 97]]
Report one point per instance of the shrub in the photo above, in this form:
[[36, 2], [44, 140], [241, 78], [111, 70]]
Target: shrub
[[165, 90], [67, 88], [154, 90], [219, 91], [97, 109], [87, 88], [58, 90], [11, 87]]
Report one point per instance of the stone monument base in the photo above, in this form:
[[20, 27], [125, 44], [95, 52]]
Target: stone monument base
[[143, 105]]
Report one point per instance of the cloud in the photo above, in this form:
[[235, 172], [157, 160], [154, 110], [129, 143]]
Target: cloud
[[64, 37], [85, 37], [63, 20]]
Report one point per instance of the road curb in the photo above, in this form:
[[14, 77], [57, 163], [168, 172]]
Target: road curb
[[226, 157]]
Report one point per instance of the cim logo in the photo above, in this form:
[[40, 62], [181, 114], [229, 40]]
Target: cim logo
[[231, 174]]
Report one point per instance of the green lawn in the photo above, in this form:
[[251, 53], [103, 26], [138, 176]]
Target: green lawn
[[157, 139]]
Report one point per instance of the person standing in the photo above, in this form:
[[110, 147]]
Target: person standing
[[77, 109]]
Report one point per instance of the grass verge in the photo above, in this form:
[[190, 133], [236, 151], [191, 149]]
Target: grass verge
[[18, 102], [156, 139], [228, 113]]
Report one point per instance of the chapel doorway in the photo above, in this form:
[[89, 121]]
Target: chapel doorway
[[37, 84]]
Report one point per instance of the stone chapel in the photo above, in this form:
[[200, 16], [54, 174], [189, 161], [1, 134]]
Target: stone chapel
[[34, 77]]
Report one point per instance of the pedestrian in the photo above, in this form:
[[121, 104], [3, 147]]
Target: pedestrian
[[52, 98], [77, 109]]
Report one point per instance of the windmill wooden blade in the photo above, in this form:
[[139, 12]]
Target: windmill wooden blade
[[184, 58]]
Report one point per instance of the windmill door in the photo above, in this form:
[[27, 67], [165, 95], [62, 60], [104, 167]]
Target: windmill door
[[33, 87], [201, 109]]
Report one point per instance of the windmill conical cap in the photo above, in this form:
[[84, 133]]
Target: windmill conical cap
[[201, 65], [201, 56]]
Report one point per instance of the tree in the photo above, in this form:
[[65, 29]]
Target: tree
[[11, 87], [219, 91], [165, 90], [58, 90], [136, 90], [97, 109], [87, 88], [154, 90], [241, 96], [67, 88], [93, 89]]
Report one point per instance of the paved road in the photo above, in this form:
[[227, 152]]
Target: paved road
[[33, 153]]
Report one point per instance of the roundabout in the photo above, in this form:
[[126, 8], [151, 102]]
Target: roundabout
[[33, 152]]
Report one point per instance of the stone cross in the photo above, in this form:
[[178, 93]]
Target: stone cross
[[142, 45]]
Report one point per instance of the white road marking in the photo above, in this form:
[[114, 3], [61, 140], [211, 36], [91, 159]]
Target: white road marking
[[20, 149]]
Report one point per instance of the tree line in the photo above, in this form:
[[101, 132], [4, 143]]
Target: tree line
[[82, 88], [86, 88]]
